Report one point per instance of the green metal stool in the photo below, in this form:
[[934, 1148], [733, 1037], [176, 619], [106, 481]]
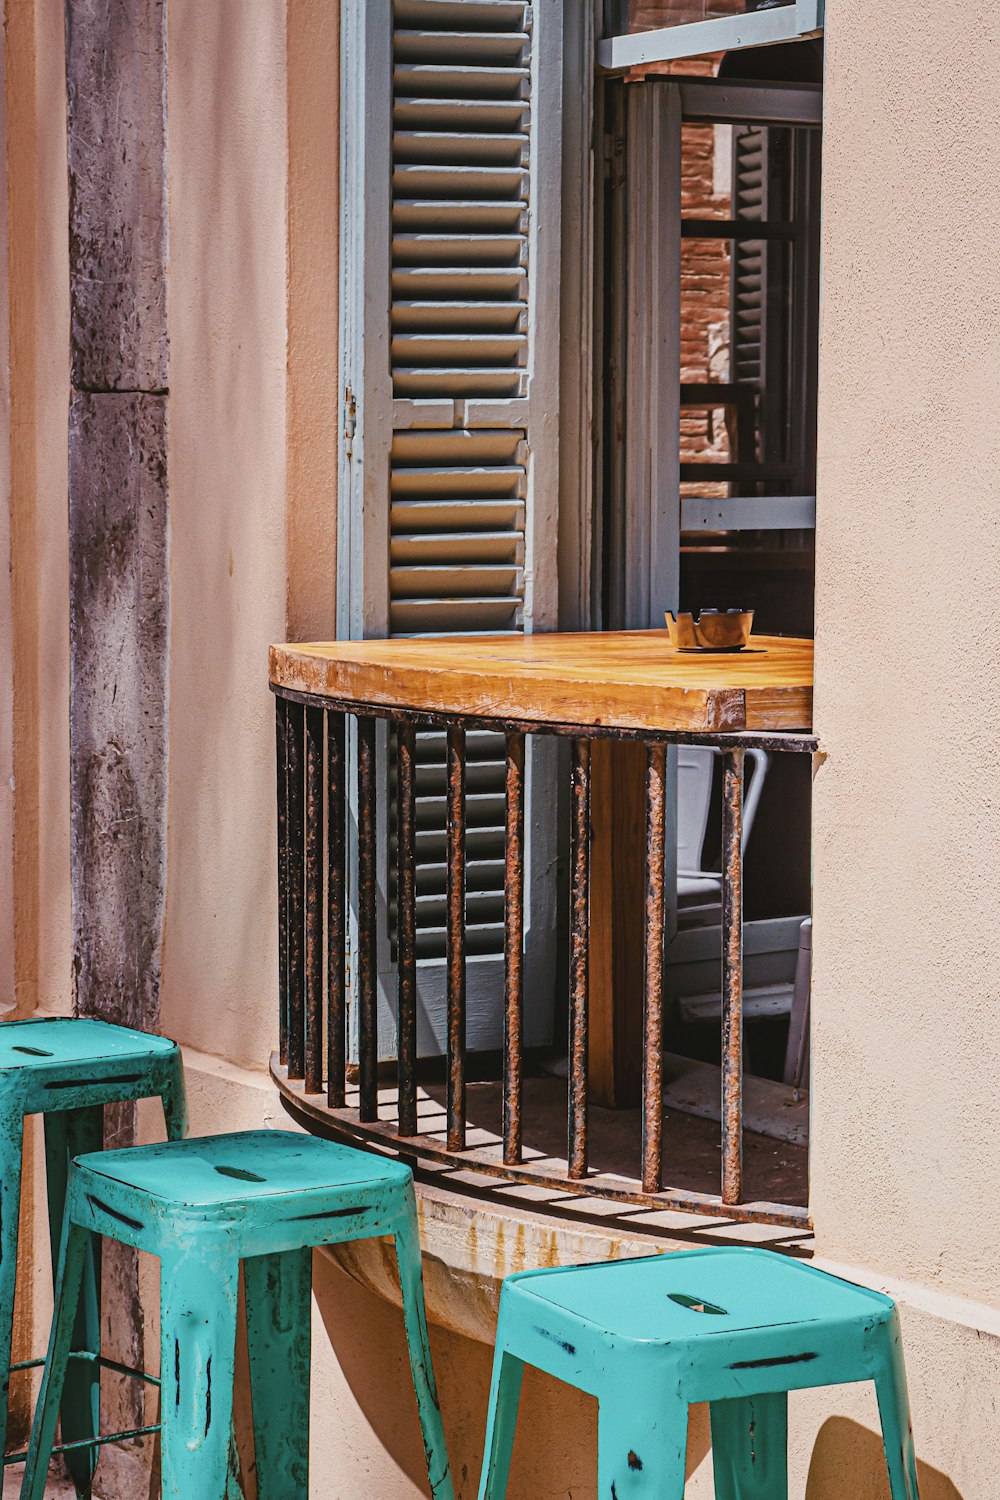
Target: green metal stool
[[67, 1070], [264, 1198], [738, 1328]]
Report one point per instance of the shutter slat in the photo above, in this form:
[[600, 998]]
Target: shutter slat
[[411, 617], [460, 180], [453, 581], [484, 844], [459, 547], [482, 810], [482, 746], [461, 14], [480, 942], [480, 907], [459, 483], [475, 249], [441, 516], [460, 46], [459, 384], [461, 114], [451, 213], [466, 316], [446, 348], [462, 481], [459, 80], [465, 282], [460, 148]]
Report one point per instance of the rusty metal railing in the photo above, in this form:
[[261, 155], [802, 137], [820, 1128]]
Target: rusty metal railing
[[312, 812]]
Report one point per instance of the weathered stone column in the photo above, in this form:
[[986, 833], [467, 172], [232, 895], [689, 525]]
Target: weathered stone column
[[119, 581]]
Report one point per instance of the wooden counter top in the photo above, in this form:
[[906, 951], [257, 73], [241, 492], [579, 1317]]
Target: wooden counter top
[[622, 679]]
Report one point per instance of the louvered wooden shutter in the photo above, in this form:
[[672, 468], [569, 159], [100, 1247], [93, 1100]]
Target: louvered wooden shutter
[[775, 294], [449, 479], [749, 256]]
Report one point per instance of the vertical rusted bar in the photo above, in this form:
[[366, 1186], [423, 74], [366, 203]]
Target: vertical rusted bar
[[294, 869], [456, 937], [336, 1010], [732, 976], [314, 901], [280, 730], [406, 928], [513, 947], [367, 980], [652, 1069], [579, 956]]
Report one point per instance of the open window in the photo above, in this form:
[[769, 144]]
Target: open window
[[708, 229], [579, 387], [458, 144]]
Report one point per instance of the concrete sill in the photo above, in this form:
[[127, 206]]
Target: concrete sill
[[473, 1239]]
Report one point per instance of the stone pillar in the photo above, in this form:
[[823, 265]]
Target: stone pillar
[[119, 580]]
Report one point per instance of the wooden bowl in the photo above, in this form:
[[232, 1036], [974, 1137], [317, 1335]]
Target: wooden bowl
[[713, 630]]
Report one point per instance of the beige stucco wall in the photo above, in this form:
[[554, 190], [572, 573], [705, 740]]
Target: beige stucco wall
[[252, 463], [36, 631], [227, 154], [906, 1083], [35, 944], [6, 601], [906, 1101]]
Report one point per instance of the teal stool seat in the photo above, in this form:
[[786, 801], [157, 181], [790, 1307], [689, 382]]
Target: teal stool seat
[[263, 1198], [68, 1069], [737, 1328]]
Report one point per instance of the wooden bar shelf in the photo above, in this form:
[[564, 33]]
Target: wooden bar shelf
[[621, 700]]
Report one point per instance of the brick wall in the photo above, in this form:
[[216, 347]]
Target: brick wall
[[705, 194]]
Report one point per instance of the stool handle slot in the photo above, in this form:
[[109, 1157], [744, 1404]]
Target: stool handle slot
[[697, 1304], [240, 1174]]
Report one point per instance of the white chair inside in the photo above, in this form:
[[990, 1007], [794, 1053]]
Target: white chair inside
[[695, 776]]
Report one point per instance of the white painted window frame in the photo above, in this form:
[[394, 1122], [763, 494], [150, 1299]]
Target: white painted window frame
[[760, 28]]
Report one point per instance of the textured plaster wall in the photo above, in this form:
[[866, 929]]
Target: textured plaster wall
[[253, 152], [313, 401], [906, 1078], [226, 303], [6, 603], [36, 646], [35, 942]]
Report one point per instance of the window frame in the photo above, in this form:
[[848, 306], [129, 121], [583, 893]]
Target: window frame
[[784, 23]]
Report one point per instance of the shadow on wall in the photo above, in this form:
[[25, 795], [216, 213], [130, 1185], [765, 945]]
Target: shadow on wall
[[556, 1448], [848, 1459]]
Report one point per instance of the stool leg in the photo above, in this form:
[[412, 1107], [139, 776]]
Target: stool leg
[[69, 1284], [70, 1133], [505, 1398], [750, 1447], [894, 1411], [641, 1447], [278, 1297], [174, 1100], [11, 1140], [411, 1283], [198, 1302]]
